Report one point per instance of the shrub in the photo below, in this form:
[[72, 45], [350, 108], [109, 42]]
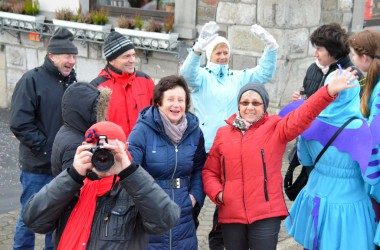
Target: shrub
[[99, 17], [65, 14], [126, 22], [168, 23], [32, 7], [152, 25], [4, 6], [18, 8], [139, 21]]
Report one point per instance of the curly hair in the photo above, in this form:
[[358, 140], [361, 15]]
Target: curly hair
[[367, 42], [170, 82], [332, 37]]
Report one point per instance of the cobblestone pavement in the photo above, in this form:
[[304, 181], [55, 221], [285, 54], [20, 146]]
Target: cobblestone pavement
[[10, 190]]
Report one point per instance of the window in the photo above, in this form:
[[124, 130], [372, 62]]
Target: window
[[372, 13], [158, 9]]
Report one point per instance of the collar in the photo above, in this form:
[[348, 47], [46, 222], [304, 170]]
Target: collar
[[220, 71], [116, 73]]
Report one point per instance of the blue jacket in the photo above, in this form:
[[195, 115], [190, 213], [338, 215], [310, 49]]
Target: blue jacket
[[215, 88], [152, 149]]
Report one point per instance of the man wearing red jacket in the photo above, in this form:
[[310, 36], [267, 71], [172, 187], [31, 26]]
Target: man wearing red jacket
[[132, 90]]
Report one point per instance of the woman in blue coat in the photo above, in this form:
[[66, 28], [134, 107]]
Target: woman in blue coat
[[169, 144]]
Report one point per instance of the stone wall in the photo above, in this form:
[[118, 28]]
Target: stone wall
[[290, 22]]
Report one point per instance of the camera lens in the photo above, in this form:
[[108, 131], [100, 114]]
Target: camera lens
[[102, 159]]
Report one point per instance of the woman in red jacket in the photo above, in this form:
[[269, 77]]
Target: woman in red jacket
[[242, 174]]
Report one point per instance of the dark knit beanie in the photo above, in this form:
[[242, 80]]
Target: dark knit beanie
[[62, 42], [115, 45], [258, 88]]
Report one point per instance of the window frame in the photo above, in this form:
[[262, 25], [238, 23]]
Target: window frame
[[185, 15], [130, 11]]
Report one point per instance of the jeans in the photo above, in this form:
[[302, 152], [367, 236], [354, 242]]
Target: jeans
[[260, 235], [31, 184]]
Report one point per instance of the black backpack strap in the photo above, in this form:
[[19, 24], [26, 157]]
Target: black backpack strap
[[332, 139]]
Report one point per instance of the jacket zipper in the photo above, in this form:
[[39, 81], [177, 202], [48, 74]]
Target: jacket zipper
[[265, 176], [224, 172], [175, 169]]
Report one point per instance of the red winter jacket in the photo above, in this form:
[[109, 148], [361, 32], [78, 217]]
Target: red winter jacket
[[247, 168], [130, 94]]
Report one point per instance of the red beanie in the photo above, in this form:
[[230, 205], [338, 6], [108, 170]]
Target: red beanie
[[109, 129]]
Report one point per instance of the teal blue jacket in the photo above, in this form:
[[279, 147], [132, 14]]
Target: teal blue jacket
[[215, 89]]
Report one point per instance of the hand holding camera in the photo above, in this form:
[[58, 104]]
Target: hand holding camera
[[105, 159]]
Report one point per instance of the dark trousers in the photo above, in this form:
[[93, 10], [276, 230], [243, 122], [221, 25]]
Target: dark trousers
[[215, 237], [260, 235]]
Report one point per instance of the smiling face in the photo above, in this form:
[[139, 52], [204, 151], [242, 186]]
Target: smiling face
[[220, 55], [323, 56], [125, 62], [173, 104], [254, 109], [64, 62]]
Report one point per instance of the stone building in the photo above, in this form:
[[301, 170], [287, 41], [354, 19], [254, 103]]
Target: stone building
[[290, 22]]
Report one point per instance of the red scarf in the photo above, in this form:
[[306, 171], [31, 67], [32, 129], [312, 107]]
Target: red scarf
[[78, 227]]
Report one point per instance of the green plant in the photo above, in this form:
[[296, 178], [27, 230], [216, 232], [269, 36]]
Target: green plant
[[126, 22], [32, 7], [99, 17], [64, 14], [139, 22], [168, 23], [152, 25]]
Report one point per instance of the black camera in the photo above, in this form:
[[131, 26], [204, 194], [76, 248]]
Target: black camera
[[102, 158]]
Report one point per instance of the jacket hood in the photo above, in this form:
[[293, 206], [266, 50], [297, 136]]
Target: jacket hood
[[150, 116], [83, 105]]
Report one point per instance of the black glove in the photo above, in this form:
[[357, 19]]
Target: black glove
[[288, 180]]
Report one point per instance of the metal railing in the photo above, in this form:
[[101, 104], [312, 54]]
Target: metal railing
[[45, 30]]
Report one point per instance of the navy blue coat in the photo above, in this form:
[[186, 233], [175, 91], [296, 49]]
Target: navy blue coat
[[176, 168]]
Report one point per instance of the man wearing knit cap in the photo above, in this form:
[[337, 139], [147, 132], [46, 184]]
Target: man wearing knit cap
[[36, 118], [132, 90], [117, 211]]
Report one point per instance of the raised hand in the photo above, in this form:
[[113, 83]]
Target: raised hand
[[341, 81], [260, 33], [208, 33]]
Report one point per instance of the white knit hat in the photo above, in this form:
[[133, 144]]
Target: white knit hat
[[210, 47]]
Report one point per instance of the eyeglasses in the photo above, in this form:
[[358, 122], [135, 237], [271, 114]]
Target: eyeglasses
[[254, 103]]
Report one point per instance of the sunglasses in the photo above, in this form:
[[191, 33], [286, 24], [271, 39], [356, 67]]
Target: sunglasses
[[254, 103]]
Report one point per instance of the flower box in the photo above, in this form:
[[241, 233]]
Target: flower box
[[21, 20], [84, 29], [150, 39]]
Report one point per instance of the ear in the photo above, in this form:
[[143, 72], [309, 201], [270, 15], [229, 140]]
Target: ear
[[51, 57], [367, 58]]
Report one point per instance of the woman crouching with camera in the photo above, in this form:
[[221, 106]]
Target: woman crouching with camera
[[117, 211], [242, 174]]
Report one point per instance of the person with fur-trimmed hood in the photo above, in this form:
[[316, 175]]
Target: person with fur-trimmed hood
[[82, 106]]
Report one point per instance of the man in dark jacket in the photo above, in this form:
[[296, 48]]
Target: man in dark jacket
[[132, 90], [35, 119], [119, 211]]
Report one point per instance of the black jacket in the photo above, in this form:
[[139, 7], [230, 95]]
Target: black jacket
[[79, 113], [314, 78], [136, 207], [36, 114]]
